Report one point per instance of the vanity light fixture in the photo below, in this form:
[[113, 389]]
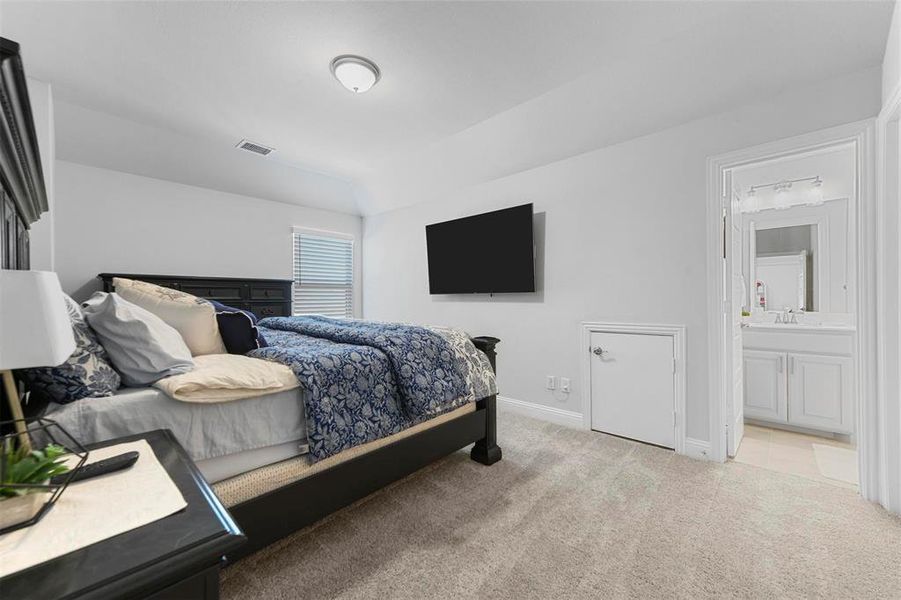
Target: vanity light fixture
[[816, 191], [783, 196], [356, 73], [752, 202], [782, 199]]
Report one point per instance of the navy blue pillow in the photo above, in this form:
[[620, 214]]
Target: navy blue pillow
[[238, 329]]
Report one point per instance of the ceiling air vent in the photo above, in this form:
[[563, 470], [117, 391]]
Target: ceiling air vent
[[254, 147]]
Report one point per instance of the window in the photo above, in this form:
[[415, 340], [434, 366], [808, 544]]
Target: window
[[323, 273]]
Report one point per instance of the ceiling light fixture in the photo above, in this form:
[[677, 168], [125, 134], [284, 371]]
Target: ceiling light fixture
[[356, 73]]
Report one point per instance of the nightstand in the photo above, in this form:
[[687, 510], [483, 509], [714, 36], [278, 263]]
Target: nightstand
[[177, 557]]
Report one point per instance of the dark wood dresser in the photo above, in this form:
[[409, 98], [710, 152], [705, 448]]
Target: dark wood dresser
[[262, 297]]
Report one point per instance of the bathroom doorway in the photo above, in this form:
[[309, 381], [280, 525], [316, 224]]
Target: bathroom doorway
[[788, 327]]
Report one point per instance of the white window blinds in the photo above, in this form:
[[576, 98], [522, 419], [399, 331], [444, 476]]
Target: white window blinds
[[323, 274]]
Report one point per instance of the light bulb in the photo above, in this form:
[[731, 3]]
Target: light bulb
[[816, 191]]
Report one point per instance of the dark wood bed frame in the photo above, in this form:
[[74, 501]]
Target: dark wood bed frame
[[276, 514], [271, 516]]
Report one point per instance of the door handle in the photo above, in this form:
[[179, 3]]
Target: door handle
[[599, 352]]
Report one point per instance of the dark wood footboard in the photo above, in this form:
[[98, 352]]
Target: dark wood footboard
[[486, 450], [276, 514]]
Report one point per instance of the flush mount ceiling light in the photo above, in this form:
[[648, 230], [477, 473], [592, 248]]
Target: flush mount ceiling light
[[356, 73]]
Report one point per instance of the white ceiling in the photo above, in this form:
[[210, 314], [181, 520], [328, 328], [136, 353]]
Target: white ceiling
[[166, 89]]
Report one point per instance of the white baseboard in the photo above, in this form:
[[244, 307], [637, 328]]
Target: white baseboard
[[694, 448], [559, 416], [697, 449]]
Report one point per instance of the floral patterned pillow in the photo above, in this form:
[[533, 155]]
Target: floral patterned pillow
[[86, 374]]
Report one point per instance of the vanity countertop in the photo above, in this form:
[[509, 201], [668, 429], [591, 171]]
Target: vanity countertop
[[802, 327]]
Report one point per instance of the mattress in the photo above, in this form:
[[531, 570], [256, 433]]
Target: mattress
[[273, 424], [265, 479], [219, 468]]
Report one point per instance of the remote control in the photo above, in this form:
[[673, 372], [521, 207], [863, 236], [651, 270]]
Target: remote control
[[100, 467]]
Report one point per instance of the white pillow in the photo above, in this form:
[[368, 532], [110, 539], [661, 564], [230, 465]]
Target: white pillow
[[139, 344], [194, 318], [225, 377]]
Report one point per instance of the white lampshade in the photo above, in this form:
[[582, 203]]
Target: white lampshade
[[35, 329]]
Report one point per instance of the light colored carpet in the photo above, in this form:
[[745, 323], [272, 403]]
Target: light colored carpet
[[577, 514]]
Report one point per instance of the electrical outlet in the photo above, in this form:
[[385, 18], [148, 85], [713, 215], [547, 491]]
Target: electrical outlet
[[551, 382], [564, 385]]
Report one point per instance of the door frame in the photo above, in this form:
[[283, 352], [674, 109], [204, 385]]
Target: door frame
[[886, 479], [860, 135], [677, 332]]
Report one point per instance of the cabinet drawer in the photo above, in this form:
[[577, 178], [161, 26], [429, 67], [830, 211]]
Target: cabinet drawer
[[268, 293], [274, 309], [794, 341], [166, 283], [220, 292]]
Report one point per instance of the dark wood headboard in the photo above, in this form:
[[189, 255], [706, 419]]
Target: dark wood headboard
[[23, 197], [262, 297]]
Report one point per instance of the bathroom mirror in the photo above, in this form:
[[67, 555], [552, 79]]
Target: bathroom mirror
[[784, 271]]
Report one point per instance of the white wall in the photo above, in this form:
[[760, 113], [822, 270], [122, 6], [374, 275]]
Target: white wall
[[621, 236], [887, 449], [891, 62], [42, 238], [112, 221]]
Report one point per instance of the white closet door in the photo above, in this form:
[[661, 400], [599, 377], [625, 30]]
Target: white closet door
[[632, 392]]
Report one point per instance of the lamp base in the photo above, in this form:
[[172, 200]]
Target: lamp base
[[15, 406]]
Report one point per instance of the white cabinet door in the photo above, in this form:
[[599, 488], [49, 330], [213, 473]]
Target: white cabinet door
[[765, 385], [821, 392], [632, 392]]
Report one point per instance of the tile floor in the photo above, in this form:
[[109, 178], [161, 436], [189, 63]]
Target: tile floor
[[788, 452]]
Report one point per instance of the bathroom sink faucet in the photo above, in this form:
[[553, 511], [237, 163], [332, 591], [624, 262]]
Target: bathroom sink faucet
[[787, 317]]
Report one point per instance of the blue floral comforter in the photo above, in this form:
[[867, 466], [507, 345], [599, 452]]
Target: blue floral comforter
[[368, 380]]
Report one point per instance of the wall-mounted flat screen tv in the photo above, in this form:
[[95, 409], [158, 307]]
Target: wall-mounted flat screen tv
[[490, 253]]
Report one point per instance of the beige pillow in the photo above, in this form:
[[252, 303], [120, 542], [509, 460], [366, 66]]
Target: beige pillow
[[194, 318], [224, 377]]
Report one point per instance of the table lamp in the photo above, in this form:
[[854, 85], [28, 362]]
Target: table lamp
[[35, 331]]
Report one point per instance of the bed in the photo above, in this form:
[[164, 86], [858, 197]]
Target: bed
[[276, 475]]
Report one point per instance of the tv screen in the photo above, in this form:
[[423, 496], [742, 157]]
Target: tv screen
[[490, 253]]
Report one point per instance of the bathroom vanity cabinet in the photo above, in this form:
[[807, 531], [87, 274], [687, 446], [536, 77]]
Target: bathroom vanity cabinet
[[800, 376]]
